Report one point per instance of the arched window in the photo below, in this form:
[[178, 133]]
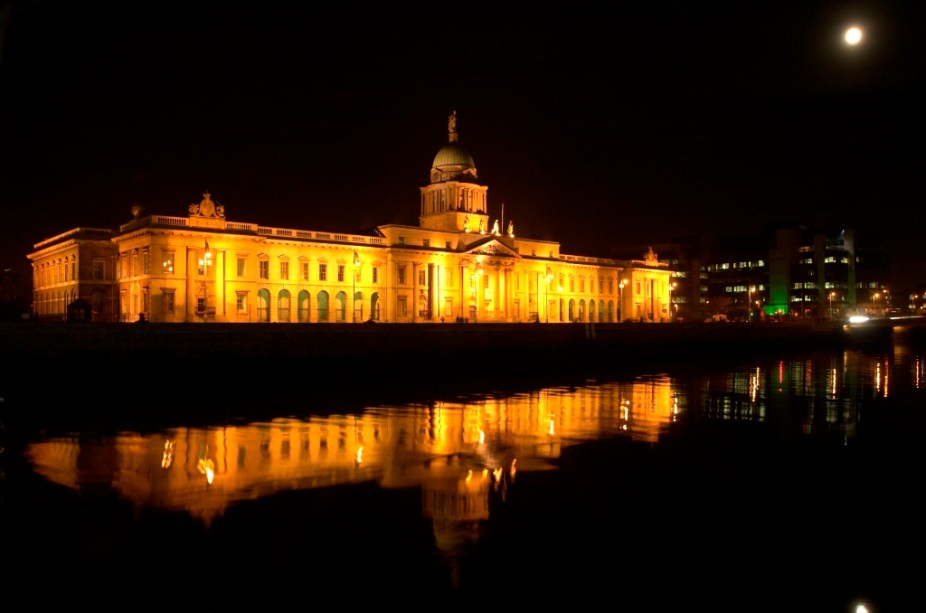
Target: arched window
[[358, 306], [303, 304], [323, 306], [283, 305], [374, 306], [340, 306], [263, 306]]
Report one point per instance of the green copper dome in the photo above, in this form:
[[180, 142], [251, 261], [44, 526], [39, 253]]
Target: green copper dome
[[453, 162], [452, 154]]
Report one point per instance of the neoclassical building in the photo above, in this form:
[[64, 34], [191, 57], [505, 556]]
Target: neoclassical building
[[456, 265]]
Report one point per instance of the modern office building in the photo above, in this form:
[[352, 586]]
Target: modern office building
[[783, 269], [457, 265]]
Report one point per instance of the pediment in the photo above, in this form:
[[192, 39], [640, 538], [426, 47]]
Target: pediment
[[491, 246]]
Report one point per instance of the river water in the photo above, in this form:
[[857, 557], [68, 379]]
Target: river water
[[781, 482]]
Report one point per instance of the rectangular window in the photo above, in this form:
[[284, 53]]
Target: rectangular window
[[167, 264], [401, 240], [146, 262], [167, 300], [322, 272], [582, 284], [241, 268], [402, 306], [422, 280], [265, 269], [99, 269], [426, 242], [305, 271], [375, 275], [284, 271], [447, 244], [401, 271], [135, 263], [241, 302], [340, 273]]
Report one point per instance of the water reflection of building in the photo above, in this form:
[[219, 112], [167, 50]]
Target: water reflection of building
[[827, 389], [458, 453]]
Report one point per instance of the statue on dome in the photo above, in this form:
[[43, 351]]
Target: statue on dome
[[511, 229], [482, 226], [495, 229], [452, 126]]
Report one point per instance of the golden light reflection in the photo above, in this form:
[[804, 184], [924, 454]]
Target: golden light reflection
[[446, 442], [168, 457], [207, 468]]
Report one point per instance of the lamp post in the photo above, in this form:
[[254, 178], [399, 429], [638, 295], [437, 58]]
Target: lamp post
[[832, 314], [620, 302], [353, 289], [204, 263], [672, 286], [546, 307]]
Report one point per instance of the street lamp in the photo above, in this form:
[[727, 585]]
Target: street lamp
[[620, 303], [353, 289], [832, 313], [672, 286], [546, 307], [204, 263]]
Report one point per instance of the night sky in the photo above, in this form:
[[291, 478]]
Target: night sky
[[632, 126]]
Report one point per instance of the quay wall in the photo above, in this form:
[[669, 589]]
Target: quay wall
[[141, 375], [42, 342]]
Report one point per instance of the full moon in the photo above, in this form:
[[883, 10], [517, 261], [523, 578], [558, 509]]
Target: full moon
[[853, 35]]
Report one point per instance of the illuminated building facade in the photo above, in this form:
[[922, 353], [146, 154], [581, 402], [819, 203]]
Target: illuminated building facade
[[456, 265]]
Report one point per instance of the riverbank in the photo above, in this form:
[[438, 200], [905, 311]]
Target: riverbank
[[43, 341], [131, 373]]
